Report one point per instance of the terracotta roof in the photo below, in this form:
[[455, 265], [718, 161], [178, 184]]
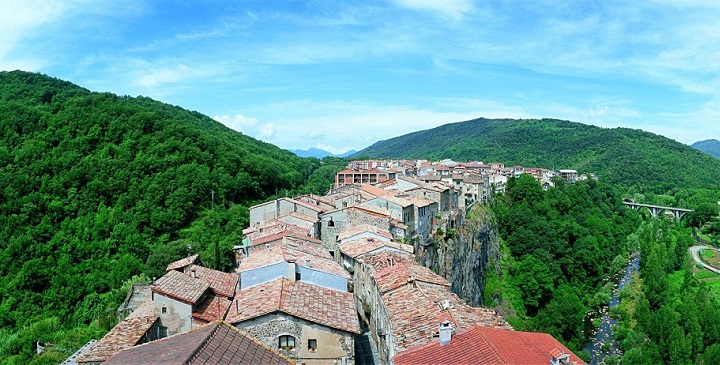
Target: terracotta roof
[[125, 334], [430, 177], [371, 209], [222, 283], [482, 345], [180, 286], [403, 202], [402, 273], [413, 296], [352, 230], [419, 201], [365, 245], [285, 251], [216, 343], [212, 308], [373, 190], [179, 264], [328, 307]]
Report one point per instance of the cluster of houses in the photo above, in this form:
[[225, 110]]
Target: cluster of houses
[[313, 271]]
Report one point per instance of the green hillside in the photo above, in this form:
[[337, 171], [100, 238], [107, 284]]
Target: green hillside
[[629, 158], [95, 186]]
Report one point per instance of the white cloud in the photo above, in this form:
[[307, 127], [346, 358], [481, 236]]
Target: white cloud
[[332, 149], [449, 8], [17, 19], [250, 126]]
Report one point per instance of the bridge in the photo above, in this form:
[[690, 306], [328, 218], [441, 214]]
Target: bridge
[[656, 209]]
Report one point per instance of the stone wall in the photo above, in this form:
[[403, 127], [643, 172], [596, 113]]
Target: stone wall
[[333, 345]]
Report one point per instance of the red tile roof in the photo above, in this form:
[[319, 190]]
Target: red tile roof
[[353, 230], [179, 264], [212, 308], [180, 286], [482, 345], [311, 255], [401, 274], [328, 307], [216, 343], [125, 334], [373, 190], [222, 283], [356, 248]]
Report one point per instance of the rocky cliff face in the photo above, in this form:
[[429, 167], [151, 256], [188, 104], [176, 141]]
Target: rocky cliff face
[[464, 257]]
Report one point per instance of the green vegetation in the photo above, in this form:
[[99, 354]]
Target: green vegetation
[[96, 188], [633, 160], [666, 315], [559, 245]]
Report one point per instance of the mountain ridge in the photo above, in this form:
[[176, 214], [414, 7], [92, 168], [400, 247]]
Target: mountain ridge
[[709, 146], [631, 158]]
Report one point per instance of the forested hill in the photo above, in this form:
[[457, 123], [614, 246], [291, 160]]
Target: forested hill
[[625, 157], [95, 188]]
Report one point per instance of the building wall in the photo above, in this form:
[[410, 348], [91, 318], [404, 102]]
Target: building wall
[[329, 234], [262, 274], [177, 317], [323, 279], [333, 345]]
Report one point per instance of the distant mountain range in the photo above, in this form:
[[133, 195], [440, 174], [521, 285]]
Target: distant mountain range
[[634, 159], [710, 146], [318, 153]]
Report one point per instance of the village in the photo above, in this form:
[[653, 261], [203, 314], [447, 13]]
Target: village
[[316, 274]]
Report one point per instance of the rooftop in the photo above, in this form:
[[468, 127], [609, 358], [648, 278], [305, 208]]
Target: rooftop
[[222, 283], [362, 246], [328, 307], [310, 255], [217, 343], [353, 230], [179, 264], [180, 286], [125, 334], [212, 308], [482, 345]]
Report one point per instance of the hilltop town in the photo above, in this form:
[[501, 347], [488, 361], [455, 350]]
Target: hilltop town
[[333, 279]]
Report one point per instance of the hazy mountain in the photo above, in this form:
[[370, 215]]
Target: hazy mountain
[[319, 153], [710, 146]]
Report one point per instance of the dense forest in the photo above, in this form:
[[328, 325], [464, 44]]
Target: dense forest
[[634, 160], [668, 315], [96, 189], [560, 247]]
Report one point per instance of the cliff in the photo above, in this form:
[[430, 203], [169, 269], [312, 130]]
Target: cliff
[[465, 257]]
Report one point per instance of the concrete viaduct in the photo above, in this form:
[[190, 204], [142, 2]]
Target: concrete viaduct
[[656, 209]]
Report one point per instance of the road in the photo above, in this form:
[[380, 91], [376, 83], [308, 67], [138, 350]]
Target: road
[[695, 251]]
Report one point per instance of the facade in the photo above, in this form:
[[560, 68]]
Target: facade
[[347, 177], [306, 322]]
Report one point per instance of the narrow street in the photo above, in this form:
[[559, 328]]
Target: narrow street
[[365, 352]]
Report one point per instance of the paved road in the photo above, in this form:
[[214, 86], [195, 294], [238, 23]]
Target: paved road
[[695, 251]]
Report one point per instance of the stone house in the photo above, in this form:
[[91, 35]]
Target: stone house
[[308, 323], [333, 222], [280, 207], [400, 209], [295, 260]]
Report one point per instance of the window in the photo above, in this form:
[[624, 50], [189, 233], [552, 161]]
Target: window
[[164, 310], [312, 345], [297, 276], [331, 223], [286, 342]]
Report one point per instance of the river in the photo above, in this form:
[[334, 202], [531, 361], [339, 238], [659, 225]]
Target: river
[[603, 344]]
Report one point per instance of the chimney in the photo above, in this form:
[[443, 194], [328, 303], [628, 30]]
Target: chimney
[[307, 262], [193, 274], [291, 269], [445, 332]]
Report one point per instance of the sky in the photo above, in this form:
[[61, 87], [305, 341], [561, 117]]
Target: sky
[[340, 75]]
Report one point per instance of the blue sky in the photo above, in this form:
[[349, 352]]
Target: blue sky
[[343, 74]]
